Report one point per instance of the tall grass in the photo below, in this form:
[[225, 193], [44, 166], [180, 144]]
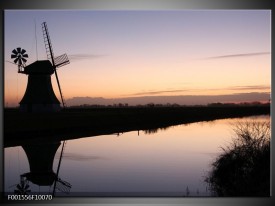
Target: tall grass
[[243, 169]]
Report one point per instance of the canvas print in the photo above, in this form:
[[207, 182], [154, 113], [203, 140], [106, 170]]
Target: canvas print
[[137, 103]]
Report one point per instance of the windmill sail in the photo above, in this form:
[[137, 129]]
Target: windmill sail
[[63, 186], [60, 184], [61, 60]]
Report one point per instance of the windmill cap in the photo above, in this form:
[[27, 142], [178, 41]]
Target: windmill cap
[[39, 67]]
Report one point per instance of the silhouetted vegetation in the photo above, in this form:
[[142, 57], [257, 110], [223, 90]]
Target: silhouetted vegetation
[[244, 167], [216, 104], [74, 123]]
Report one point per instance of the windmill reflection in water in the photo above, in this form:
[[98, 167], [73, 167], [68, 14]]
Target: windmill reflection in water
[[41, 157], [40, 97]]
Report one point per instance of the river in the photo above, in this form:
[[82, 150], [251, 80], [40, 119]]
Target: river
[[163, 162]]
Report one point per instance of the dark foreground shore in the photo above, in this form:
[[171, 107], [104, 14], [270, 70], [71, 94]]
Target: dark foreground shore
[[23, 128]]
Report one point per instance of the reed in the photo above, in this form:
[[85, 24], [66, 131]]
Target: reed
[[243, 169]]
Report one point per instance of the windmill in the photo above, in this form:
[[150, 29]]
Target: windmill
[[41, 156], [19, 55], [23, 187], [39, 95]]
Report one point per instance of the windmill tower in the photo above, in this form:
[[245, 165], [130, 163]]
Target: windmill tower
[[41, 157], [39, 95]]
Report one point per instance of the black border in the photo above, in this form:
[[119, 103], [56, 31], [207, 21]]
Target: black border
[[133, 5]]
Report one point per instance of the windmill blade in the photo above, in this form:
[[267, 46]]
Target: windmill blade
[[16, 60], [19, 50], [59, 87], [25, 55], [24, 60], [23, 51], [13, 56], [26, 187], [19, 187], [23, 184], [61, 60], [49, 52], [15, 52]]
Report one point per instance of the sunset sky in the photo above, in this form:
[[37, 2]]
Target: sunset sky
[[119, 54]]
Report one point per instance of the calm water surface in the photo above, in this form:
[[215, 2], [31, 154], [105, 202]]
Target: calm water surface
[[164, 162]]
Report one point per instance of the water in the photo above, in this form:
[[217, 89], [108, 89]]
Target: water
[[163, 162]]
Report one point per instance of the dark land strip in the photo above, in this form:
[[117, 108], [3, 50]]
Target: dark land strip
[[71, 123]]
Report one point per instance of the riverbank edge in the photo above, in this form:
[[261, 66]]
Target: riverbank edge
[[22, 128]]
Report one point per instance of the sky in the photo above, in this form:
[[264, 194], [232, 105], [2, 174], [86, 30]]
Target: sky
[[120, 54]]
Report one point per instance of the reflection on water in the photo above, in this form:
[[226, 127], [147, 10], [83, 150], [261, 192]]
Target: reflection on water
[[153, 131], [168, 162], [40, 156]]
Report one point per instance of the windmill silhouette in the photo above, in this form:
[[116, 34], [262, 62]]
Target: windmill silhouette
[[19, 55], [23, 187], [39, 95], [41, 157]]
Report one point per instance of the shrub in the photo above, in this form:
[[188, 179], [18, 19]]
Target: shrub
[[243, 169]]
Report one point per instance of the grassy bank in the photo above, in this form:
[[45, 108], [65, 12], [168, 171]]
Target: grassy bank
[[243, 169], [75, 123]]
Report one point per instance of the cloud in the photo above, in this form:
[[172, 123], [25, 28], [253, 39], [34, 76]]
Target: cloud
[[249, 87], [158, 92], [254, 87], [79, 157], [238, 88], [238, 55], [77, 57]]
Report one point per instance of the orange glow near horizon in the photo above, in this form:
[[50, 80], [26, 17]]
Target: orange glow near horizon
[[195, 81]]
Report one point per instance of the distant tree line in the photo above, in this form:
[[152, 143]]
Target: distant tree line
[[216, 104], [255, 103]]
